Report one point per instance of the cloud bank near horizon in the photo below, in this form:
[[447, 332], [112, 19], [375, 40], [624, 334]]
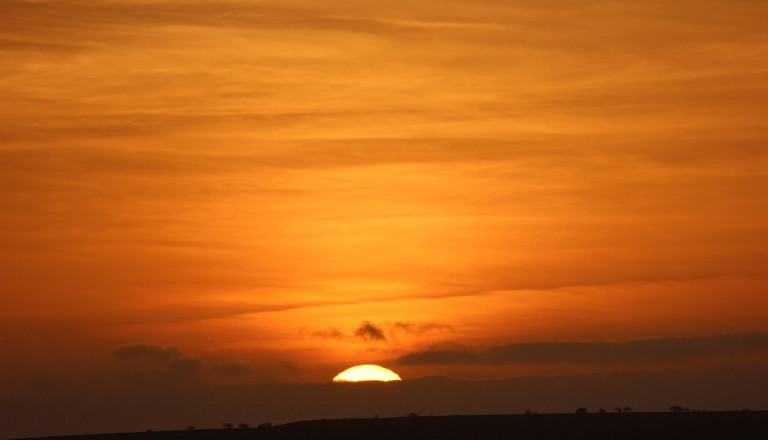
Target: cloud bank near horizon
[[672, 349]]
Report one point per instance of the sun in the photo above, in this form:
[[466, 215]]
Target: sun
[[365, 373]]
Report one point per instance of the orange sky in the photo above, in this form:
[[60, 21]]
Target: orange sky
[[294, 187]]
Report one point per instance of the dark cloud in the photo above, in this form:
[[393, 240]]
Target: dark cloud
[[143, 352], [370, 332], [587, 352]]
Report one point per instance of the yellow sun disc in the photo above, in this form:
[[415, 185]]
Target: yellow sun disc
[[364, 373]]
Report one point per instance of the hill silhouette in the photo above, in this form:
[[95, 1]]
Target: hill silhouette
[[742, 425]]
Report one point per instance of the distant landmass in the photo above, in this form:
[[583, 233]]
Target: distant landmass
[[736, 425]]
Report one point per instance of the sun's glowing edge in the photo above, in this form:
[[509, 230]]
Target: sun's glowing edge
[[367, 373]]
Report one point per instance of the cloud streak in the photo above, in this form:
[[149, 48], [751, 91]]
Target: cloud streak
[[419, 328], [329, 333]]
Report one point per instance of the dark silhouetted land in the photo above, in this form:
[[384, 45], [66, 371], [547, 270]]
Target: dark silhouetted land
[[742, 425]]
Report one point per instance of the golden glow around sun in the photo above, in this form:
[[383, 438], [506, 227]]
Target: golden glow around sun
[[364, 373]]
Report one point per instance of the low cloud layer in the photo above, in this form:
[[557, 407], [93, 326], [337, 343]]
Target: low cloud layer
[[597, 352], [174, 369], [143, 352], [187, 367], [235, 370]]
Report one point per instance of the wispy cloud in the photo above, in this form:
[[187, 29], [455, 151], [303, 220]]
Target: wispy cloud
[[330, 333], [419, 328]]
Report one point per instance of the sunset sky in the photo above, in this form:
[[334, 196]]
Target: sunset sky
[[247, 192]]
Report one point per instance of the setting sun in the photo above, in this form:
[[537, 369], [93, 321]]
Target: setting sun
[[365, 373]]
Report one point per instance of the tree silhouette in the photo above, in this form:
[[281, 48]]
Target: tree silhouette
[[243, 426], [627, 409], [227, 425], [581, 410]]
